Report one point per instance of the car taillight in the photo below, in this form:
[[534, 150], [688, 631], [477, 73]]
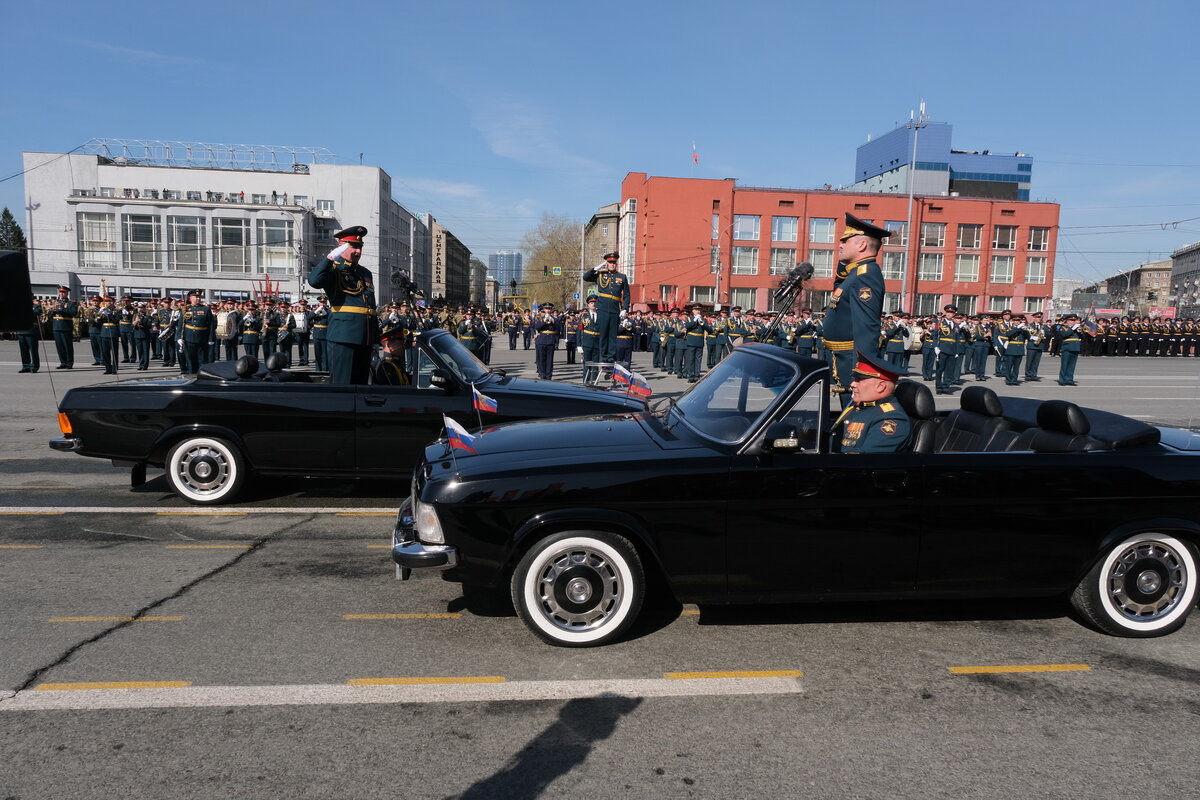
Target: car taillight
[[64, 424]]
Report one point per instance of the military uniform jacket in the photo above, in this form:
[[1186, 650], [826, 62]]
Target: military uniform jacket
[[351, 293], [63, 318], [198, 324], [1071, 339], [694, 330], [588, 331], [895, 337], [855, 319], [320, 323], [872, 427], [612, 289], [1016, 341], [949, 337], [251, 325]]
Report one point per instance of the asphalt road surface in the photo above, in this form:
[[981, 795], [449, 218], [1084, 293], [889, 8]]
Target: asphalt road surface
[[152, 649]]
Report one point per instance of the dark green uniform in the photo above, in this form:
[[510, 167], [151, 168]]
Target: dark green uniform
[[877, 426]]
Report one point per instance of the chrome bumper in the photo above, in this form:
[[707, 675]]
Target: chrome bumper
[[409, 554], [67, 444]]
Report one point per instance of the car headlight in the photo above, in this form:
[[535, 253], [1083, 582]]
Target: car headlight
[[427, 524]]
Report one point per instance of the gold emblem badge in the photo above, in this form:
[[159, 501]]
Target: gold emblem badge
[[864, 294], [888, 428]]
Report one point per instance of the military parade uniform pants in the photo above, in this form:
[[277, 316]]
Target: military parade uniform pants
[[94, 341], [348, 363], [30, 359], [545, 361], [1066, 369], [1033, 359], [607, 325], [65, 347], [321, 354]]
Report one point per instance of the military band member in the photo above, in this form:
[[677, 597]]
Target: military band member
[[949, 337], [110, 336], [1014, 350], [852, 323], [895, 337], [874, 422], [546, 327], [198, 331], [589, 332], [612, 303], [62, 327], [320, 327], [571, 329], [27, 341], [694, 328], [1035, 346], [624, 351], [1070, 343], [806, 333], [91, 317], [301, 327], [352, 330], [143, 331]]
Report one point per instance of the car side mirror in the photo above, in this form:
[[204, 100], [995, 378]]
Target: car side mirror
[[782, 437], [440, 379]]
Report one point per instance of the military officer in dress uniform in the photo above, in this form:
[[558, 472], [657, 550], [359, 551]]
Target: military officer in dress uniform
[[589, 332], [389, 368], [352, 330], [27, 340], [1034, 347], [62, 316], [320, 327], [546, 327], [1070, 343], [612, 303], [251, 324], [852, 323], [199, 331], [110, 336], [874, 422], [694, 329]]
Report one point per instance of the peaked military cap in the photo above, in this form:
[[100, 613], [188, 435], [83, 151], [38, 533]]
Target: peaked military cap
[[611, 256], [857, 227], [873, 368], [354, 234]]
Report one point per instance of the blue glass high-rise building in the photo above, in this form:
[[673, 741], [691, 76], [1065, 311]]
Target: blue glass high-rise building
[[505, 266]]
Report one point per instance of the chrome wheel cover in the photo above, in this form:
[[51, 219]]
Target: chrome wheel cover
[[203, 470], [1147, 581], [578, 589]]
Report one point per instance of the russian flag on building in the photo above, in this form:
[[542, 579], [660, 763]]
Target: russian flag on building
[[457, 435], [483, 402]]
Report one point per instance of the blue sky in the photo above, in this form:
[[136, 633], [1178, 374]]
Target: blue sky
[[490, 113]]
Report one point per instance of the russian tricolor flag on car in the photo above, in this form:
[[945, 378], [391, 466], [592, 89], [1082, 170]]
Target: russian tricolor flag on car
[[639, 386], [621, 375], [457, 435], [483, 402]]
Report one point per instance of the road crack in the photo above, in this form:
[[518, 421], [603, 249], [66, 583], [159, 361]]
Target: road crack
[[146, 610]]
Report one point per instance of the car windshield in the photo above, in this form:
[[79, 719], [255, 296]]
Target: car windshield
[[734, 395], [458, 359]]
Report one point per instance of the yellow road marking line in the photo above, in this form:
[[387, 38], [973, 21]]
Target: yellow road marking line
[[1020, 668], [769, 673], [424, 681], [379, 547], [690, 612], [21, 546], [114, 619], [446, 615], [71, 687], [208, 546], [200, 513], [37, 487], [23, 513], [366, 513]]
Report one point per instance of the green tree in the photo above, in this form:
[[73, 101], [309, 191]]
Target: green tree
[[553, 243], [11, 235]]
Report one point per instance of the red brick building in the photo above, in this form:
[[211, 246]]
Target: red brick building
[[712, 241]]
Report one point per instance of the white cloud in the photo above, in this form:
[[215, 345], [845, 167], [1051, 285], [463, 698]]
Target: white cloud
[[516, 129], [133, 54]]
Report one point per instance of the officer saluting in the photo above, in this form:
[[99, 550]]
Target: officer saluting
[[353, 326], [857, 303], [612, 303]]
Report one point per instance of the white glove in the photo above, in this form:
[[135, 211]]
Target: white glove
[[211, 343], [937, 351], [622, 313], [336, 253]]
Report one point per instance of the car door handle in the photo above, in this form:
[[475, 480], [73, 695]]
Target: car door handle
[[890, 479], [374, 400]]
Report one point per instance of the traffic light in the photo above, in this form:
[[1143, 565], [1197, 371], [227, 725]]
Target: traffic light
[[545, 271]]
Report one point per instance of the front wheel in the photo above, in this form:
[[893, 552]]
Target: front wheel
[[1144, 586], [579, 589], [206, 470]]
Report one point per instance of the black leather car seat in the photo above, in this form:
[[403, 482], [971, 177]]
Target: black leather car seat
[[917, 401], [976, 425], [1062, 428]]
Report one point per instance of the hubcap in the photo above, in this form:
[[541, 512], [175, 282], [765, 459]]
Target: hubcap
[[1147, 581], [579, 589], [203, 470]]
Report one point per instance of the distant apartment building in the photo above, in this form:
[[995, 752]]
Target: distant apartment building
[[600, 234], [1185, 280], [506, 266], [154, 219], [1137, 291]]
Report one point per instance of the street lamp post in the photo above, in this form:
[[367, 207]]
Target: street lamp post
[[915, 123]]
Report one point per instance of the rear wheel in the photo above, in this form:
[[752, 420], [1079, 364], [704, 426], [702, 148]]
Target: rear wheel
[[1144, 586], [206, 470], [579, 589]]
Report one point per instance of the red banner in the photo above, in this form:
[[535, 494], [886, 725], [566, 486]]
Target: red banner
[[1162, 313]]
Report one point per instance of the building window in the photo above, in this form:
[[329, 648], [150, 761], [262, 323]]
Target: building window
[[1039, 238], [1002, 269], [891, 302], [745, 261], [967, 303], [784, 229], [969, 237], [325, 205], [108, 191], [258, 198], [714, 259], [745, 226], [930, 267], [927, 304], [782, 260], [822, 261], [743, 297], [667, 294], [232, 239], [899, 229], [185, 243], [275, 249], [821, 230], [933, 234], [1035, 269], [300, 200], [143, 241], [1006, 237], [966, 268], [716, 226], [997, 304], [818, 300], [893, 265], [193, 196], [703, 294], [1033, 305], [97, 241]]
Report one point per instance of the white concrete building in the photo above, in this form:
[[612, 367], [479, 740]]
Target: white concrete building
[[160, 218]]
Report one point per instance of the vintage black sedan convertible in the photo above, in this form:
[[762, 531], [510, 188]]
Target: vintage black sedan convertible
[[211, 431], [730, 494]]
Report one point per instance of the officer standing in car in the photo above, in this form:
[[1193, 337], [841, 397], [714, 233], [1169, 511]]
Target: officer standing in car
[[852, 323], [353, 327], [612, 303]]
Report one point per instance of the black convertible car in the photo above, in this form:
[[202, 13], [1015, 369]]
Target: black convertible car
[[730, 494], [234, 418]]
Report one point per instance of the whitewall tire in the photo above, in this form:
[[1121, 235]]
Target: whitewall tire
[[206, 470], [1144, 586]]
